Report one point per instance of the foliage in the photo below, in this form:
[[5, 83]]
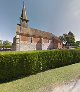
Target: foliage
[[71, 39], [17, 64], [77, 43], [7, 44], [68, 39], [42, 81], [0, 42]]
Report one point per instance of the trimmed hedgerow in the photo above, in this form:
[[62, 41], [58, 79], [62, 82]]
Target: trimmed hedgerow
[[17, 64]]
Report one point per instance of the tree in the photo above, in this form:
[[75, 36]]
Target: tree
[[61, 38], [77, 43], [7, 44], [1, 44], [69, 39]]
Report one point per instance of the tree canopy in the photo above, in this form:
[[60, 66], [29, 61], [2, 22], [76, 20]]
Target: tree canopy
[[68, 39], [5, 44]]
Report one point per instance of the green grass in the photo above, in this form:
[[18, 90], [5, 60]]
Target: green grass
[[78, 48], [34, 82]]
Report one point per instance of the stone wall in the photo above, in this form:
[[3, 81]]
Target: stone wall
[[48, 44], [25, 42], [27, 46], [60, 45]]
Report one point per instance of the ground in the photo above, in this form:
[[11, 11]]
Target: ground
[[70, 87], [43, 82]]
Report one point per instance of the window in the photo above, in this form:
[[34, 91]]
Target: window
[[60, 44], [48, 40], [31, 39]]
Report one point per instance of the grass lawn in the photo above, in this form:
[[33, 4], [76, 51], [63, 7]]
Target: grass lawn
[[34, 82]]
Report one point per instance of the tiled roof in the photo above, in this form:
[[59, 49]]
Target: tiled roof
[[41, 33], [36, 32], [44, 34]]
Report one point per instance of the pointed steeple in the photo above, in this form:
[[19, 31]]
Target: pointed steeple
[[23, 15], [24, 19]]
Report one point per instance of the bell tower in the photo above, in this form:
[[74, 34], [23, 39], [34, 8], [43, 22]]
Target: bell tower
[[24, 19]]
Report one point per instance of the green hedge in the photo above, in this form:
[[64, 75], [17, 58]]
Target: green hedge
[[17, 64]]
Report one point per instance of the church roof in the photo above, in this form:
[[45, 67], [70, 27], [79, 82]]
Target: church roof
[[43, 34], [36, 33]]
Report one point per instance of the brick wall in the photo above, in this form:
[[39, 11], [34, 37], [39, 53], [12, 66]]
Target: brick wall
[[25, 43], [24, 38]]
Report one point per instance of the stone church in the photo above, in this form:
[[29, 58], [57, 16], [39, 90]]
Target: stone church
[[28, 38]]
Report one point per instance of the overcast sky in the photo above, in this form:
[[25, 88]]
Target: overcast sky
[[55, 16]]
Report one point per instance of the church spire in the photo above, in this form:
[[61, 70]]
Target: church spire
[[23, 15], [24, 19]]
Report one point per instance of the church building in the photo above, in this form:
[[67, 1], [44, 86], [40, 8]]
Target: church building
[[28, 38]]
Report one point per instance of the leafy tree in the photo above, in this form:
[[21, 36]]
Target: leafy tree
[[77, 43], [61, 38], [1, 44], [7, 44], [69, 39]]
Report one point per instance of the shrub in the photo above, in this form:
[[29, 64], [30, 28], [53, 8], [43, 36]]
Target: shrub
[[17, 64]]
